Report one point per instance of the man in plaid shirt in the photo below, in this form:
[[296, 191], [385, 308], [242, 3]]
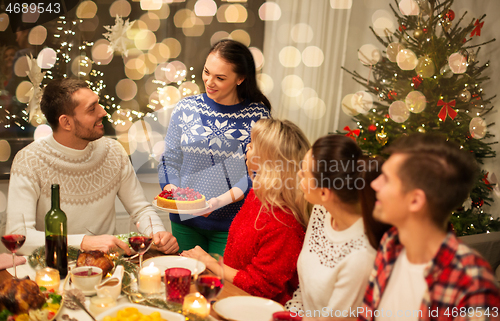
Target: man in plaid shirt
[[422, 271]]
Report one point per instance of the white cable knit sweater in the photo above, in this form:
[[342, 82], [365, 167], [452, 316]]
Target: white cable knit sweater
[[89, 180]]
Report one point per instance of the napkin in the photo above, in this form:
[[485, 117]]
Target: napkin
[[6, 261]]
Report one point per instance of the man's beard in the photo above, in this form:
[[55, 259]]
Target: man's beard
[[86, 134]]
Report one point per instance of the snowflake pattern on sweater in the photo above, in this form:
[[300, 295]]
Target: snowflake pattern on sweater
[[205, 149]]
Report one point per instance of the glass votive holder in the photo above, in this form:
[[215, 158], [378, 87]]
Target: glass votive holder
[[48, 278], [149, 279], [99, 304], [196, 304], [177, 284]]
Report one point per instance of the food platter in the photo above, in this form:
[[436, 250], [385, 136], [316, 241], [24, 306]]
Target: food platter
[[171, 261], [247, 308], [177, 211], [165, 314]]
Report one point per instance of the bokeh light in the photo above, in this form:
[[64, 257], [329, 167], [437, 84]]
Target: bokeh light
[[47, 58], [30, 17], [398, 111], [265, 83], [219, 35], [315, 108], [163, 12], [457, 63], [188, 89], [89, 25], [161, 52], [120, 8], [21, 66], [193, 30], [347, 107], [270, 11], [292, 85], [369, 54], [407, 60], [4, 21], [409, 8], [341, 4], [241, 36], [101, 52], [258, 57], [175, 71], [306, 94], [205, 8], [151, 20], [81, 66], [313, 56], [362, 101], [232, 13], [169, 96], [121, 119], [151, 4], [4, 152], [154, 101], [86, 10], [135, 68], [174, 46], [290, 57], [301, 33], [126, 89], [383, 23], [42, 131], [184, 18], [37, 35], [145, 40], [22, 91], [129, 146]]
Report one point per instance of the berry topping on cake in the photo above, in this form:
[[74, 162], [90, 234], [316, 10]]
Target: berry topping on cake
[[181, 194]]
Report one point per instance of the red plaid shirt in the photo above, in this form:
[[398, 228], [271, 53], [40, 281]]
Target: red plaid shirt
[[461, 285]]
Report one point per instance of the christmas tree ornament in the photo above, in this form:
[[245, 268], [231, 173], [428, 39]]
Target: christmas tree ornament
[[425, 67], [478, 203], [416, 81], [409, 8], [477, 127], [362, 102], [471, 57], [392, 95], [467, 205], [398, 111], [352, 133], [421, 129], [406, 59], [446, 72], [347, 107], [382, 137], [415, 102], [477, 29], [369, 55], [392, 51], [457, 63], [402, 27], [446, 25], [447, 109], [450, 15], [372, 128], [464, 96], [418, 33]]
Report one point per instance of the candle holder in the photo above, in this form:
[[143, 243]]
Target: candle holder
[[149, 279], [48, 278], [196, 305], [177, 284]]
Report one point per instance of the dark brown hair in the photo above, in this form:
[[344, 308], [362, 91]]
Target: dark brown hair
[[238, 55], [57, 100], [440, 168], [339, 165]]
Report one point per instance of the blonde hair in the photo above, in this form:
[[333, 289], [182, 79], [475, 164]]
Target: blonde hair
[[279, 147]]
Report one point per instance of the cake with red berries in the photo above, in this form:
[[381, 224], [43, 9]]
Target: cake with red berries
[[181, 199]]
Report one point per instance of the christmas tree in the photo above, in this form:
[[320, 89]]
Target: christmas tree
[[428, 80]]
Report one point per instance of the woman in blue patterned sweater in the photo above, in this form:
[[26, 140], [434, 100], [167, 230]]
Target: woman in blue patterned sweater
[[206, 142]]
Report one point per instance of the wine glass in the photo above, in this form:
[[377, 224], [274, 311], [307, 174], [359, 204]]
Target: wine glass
[[15, 239], [141, 236], [210, 283]]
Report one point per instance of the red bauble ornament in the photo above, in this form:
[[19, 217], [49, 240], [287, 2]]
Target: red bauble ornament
[[478, 203], [372, 128], [425, 30], [402, 27], [392, 95], [450, 15], [417, 81]]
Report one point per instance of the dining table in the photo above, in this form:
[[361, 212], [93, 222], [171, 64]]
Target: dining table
[[228, 290]]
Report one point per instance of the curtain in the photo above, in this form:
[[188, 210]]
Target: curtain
[[303, 52]]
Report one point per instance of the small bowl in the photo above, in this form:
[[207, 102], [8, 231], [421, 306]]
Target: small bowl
[[81, 280]]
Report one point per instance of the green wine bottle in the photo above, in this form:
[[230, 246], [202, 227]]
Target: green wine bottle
[[56, 236]]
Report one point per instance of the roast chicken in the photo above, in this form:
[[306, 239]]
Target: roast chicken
[[95, 258], [20, 295]]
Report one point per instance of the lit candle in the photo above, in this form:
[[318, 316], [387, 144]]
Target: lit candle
[[195, 303], [48, 278], [99, 304], [149, 279]]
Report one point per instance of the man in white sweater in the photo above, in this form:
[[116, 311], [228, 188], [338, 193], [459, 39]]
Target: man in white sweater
[[90, 169]]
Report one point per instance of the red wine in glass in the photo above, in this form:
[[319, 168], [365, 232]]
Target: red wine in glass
[[140, 243], [209, 286], [13, 242]]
